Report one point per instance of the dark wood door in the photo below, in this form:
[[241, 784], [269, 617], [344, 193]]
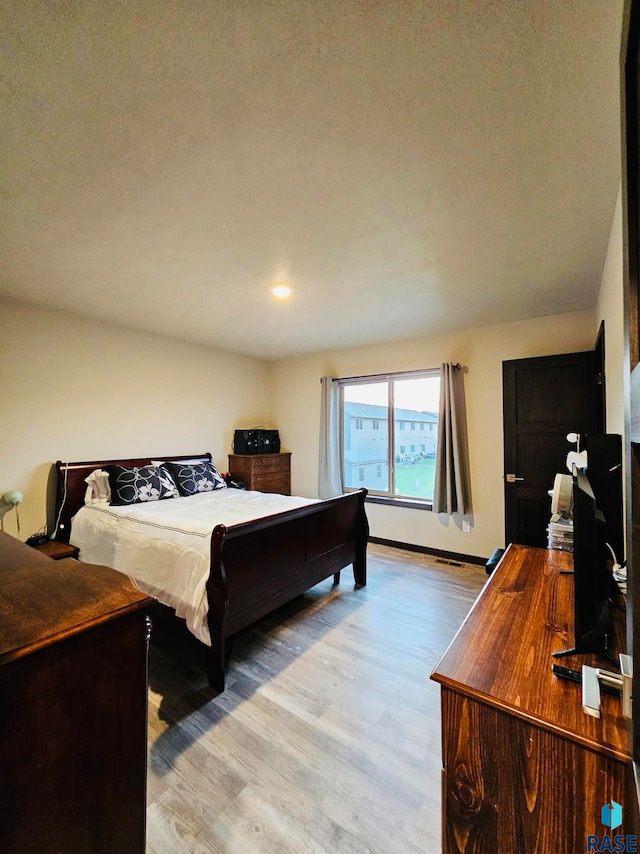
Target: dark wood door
[[543, 399]]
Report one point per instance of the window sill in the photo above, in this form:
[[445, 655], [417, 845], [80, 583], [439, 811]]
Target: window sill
[[413, 503]]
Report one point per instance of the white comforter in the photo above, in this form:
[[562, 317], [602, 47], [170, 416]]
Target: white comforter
[[164, 546]]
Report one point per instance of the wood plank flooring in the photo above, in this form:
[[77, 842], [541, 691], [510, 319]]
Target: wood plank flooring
[[327, 737]]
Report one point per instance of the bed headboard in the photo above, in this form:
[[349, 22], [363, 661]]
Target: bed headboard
[[71, 488]]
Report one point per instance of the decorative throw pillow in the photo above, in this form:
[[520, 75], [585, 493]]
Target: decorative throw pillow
[[133, 485], [194, 478]]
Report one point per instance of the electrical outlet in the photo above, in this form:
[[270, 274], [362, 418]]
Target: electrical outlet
[[466, 526]]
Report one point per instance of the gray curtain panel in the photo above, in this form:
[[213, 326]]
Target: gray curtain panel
[[330, 468], [452, 489]]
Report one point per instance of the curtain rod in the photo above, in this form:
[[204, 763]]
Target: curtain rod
[[457, 367]]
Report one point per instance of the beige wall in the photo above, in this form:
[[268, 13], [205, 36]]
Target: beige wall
[[76, 389], [611, 309], [296, 410]]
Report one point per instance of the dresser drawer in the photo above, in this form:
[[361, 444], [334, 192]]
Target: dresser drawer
[[272, 483], [262, 465]]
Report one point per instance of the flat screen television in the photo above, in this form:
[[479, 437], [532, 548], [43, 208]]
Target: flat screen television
[[593, 584], [604, 470]]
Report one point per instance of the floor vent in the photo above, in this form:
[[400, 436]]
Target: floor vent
[[448, 562]]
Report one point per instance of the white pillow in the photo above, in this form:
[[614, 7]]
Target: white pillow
[[98, 489]]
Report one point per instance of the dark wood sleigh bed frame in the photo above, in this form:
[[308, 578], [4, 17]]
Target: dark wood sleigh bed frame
[[255, 566]]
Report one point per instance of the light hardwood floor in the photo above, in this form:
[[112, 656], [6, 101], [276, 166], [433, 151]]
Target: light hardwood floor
[[327, 737]]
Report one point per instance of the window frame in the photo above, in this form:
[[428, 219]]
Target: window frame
[[387, 496]]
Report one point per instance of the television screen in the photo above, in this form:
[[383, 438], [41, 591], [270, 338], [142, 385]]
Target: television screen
[[604, 470], [591, 577]]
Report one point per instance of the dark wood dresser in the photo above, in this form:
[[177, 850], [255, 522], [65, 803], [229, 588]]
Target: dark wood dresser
[[73, 706], [524, 769], [263, 472]]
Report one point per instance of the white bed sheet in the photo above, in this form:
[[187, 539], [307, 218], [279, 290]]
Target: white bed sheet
[[164, 546]]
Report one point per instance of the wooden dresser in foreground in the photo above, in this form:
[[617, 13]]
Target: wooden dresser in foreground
[[524, 769], [263, 472], [73, 706]]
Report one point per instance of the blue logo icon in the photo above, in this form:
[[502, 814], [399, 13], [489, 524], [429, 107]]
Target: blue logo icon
[[612, 815]]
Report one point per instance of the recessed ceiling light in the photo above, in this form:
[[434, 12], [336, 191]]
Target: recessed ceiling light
[[281, 291]]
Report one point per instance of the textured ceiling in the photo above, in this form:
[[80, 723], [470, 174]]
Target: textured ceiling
[[406, 167]]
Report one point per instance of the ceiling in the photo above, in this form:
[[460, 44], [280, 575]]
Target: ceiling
[[408, 167]]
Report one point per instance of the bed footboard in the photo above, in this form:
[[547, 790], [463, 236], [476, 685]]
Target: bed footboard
[[258, 566]]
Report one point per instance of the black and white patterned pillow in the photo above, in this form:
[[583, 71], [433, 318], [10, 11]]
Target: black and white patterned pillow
[[134, 485], [196, 477]]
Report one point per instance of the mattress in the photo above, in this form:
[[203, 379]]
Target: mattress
[[165, 546]]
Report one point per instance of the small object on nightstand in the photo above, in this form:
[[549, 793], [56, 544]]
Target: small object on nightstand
[[36, 540], [232, 483], [57, 550], [8, 501]]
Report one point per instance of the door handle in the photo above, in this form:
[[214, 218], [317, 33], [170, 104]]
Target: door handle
[[511, 478]]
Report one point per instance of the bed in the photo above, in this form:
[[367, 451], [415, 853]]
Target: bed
[[251, 567]]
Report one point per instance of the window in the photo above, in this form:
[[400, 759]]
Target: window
[[358, 423], [382, 464]]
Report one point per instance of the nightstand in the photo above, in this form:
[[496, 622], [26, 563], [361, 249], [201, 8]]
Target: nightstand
[[57, 550]]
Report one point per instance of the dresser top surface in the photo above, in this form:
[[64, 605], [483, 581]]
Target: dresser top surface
[[257, 456], [502, 653], [42, 601]]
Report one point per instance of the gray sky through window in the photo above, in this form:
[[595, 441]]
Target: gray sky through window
[[422, 395]]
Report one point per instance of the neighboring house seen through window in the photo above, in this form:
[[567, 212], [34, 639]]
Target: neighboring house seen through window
[[390, 405]]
